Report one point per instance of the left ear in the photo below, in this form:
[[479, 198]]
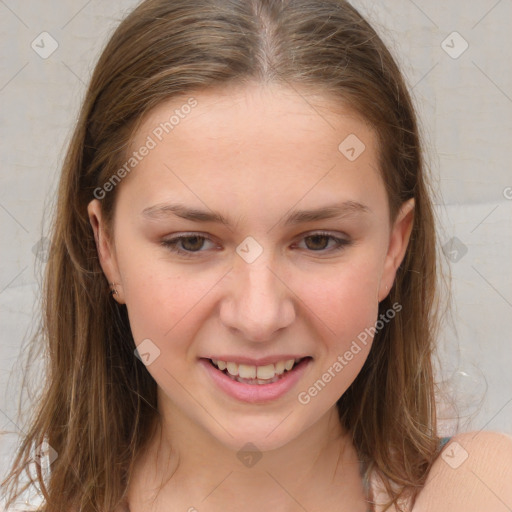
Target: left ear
[[398, 241]]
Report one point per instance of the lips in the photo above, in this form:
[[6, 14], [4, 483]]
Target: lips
[[256, 390], [240, 359]]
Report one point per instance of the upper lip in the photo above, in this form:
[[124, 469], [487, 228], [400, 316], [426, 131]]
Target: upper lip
[[256, 362]]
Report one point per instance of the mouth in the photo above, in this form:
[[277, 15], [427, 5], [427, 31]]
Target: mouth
[[256, 384], [256, 375]]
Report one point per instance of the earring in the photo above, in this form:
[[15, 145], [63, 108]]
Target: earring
[[113, 289]]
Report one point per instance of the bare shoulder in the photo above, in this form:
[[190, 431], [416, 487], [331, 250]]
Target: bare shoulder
[[472, 473]]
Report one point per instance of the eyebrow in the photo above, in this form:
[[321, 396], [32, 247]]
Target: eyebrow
[[332, 211]]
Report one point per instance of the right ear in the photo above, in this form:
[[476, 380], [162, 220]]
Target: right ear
[[105, 247]]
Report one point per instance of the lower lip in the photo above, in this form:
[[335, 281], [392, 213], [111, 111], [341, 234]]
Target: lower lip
[[255, 393]]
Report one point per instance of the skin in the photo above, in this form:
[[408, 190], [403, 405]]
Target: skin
[[252, 154]]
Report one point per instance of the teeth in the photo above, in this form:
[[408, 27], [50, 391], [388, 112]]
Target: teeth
[[262, 373], [288, 364], [265, 372], [255, 381], [232, 369], [248, 372]]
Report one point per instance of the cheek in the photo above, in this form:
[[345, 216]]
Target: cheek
[[345, 299], [346, 309], [162, 300], [166, 309], [169, 303]]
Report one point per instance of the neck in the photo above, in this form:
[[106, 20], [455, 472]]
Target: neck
[[185, 466]]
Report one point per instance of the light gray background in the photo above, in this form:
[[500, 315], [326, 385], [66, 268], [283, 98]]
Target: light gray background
[[465, 104]]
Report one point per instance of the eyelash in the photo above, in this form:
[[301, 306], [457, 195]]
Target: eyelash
[[171, 244]]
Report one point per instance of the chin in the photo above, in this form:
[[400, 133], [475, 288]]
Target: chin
[[265, 433]]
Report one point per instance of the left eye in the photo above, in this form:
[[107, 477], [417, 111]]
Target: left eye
[[192, 244]]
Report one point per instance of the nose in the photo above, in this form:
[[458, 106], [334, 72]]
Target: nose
[[259, 301]]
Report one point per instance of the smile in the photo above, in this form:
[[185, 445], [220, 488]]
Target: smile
[[279, 378], [254, 375]]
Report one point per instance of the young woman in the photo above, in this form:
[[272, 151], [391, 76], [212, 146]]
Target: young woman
[[241, 302]]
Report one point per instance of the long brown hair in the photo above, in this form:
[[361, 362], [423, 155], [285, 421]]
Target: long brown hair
[[99, 402]]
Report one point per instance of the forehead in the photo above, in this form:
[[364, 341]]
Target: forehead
[[252, 116], [265, 140]]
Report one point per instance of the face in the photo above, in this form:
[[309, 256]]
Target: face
[[269, 284]]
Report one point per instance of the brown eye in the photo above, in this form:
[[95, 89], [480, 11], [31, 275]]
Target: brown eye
[[319, 242], [190, 244]]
